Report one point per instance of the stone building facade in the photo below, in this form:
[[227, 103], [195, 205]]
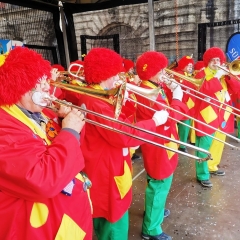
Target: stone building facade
[[175, 25]]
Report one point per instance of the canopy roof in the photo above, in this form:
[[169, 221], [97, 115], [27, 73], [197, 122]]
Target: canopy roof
[[74, 5]]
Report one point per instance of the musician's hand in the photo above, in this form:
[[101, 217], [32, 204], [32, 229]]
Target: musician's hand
[[160, 117], [126, 95], [178, 93], [74, 120], [63, 111], [221, 72], [54, 74]]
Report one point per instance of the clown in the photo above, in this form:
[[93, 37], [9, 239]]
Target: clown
[[41, 189], [185, 67], [159, 163], [106, 153], [216, 85]]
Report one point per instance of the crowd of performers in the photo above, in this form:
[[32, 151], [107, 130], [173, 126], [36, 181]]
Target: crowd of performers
[[66, 172]]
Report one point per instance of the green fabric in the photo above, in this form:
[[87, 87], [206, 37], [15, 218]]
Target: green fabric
[[238, 127], [202, 171], [183, 131], [106, 230], [155, 199]]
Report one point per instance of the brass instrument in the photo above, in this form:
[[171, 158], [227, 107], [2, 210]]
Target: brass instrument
[[234, 68], [84, 110], [197, 82], [173, 65], [114, 96], [77, 74], [140, 91]]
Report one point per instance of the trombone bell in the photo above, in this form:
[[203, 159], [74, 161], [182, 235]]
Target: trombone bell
[[234, 67]]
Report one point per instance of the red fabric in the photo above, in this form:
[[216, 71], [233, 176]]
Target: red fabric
[[209, 88], [32, 171], [156, 161], [186, 96], [104, 158]]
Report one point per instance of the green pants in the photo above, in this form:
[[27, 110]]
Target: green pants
[[155, 199], [238, 127], [106, 230], [183, 131], [202, 171]]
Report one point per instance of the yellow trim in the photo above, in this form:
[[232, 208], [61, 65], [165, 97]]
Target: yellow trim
[[124, 182], [149, 84], [18, 114]]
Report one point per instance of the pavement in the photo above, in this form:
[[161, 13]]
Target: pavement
[[197, 213]]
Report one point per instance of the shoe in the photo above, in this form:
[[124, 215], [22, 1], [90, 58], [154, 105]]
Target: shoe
[[166, 212], [136, 157], [205, 183], [192, 143], [183, 150], [162, 236], [218, 173]]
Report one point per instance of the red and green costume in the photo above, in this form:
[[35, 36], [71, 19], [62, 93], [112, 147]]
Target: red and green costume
[[108, 163], [159, 163], [213, 116]]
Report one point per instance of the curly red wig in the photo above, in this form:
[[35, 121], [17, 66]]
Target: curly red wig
[[199, 65], [213, 52], [101, 64], [184, 61], [150, 63], [22, 69], [128, 64], [58, 67]]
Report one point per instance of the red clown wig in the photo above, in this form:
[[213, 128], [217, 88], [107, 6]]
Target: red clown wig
[[128, 64], [199, 65], [101, 64], [213, 52], [58, 67], [150, 63], [20, 72], [184, 61]]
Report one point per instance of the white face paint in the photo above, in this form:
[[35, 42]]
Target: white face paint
[[39, 98]]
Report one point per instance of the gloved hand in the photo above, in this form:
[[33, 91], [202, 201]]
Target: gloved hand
[[221, 73], [178, 93], [171, 83], [126, 95], [160, 117]]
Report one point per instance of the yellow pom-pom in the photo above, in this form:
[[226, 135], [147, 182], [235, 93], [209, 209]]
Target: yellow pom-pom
[[2, 59]]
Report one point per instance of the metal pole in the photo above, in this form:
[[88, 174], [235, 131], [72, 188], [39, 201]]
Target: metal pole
[[151, 25], [62, 19]]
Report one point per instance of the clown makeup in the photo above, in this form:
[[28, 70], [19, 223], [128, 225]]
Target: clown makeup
[[189, 68], [159, 77], [111, 82], [40, 92], [214, 63]]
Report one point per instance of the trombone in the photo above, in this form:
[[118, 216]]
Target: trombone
[[234, 68], [114, 96], [198, 83], [83, 109], [140, 91]]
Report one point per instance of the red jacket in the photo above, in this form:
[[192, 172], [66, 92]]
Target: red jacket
[[107, 159], [32, 176], [212, 115], [159, 162]]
